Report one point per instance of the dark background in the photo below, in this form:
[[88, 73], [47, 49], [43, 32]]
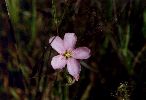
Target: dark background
[[114, 30]]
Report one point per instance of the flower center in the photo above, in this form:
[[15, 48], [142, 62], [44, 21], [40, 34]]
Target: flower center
[[67, 54]]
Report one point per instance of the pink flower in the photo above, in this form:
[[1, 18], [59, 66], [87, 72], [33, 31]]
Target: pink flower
[[67, 54]]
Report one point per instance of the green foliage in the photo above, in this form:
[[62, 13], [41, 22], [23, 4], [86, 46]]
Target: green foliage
[[13, 7]]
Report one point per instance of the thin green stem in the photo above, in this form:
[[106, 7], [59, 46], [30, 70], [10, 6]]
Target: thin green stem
[[33, 23]]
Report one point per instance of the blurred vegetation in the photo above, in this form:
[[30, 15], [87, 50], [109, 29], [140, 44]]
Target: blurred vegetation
[[114, 30]]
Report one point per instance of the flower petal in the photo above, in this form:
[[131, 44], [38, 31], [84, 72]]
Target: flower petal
[[74, 68], [57, 44], [58, 62], [70, 40], [81, 53]]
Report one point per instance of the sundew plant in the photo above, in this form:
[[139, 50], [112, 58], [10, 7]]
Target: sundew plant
[[72, 50]]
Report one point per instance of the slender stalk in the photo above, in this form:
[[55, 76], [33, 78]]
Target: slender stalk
[[33, 23]]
